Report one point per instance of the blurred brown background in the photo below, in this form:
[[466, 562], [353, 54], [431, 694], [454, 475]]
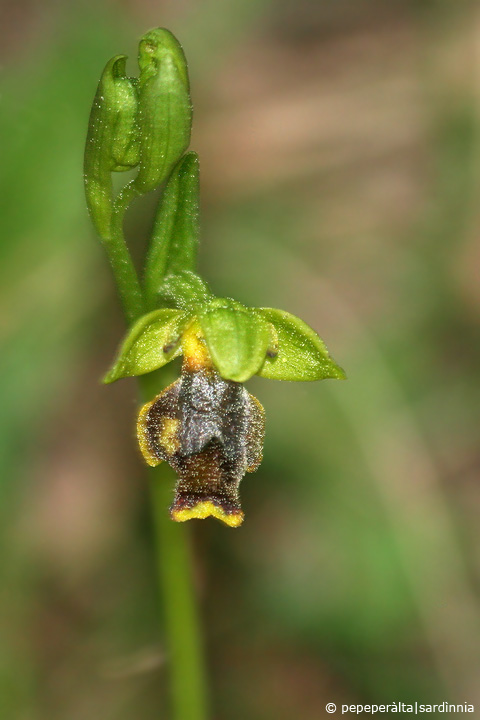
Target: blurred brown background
[[340, 147]]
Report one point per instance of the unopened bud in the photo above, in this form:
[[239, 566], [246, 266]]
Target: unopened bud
[[165, 110], [112, 141]]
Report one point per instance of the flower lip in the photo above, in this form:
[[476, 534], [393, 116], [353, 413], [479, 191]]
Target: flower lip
[[210, 431]]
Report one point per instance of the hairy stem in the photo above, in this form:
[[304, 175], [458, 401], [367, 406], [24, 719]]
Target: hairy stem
[[126, 278]]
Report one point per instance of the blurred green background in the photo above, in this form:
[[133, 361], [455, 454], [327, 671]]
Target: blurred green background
[[340, 148]]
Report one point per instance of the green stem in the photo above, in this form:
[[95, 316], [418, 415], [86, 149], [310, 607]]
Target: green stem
[[174, 568], [126, 277], [173, 560]]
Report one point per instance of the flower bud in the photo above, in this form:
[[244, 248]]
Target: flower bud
[[112, 142], [165, 110]]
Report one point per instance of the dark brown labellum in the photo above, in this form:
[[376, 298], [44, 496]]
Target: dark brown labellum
[[211, 431]]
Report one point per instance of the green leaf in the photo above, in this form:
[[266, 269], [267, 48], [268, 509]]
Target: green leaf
[[165, 109], [174, 243], [152, 342], [298, 352], [237, 338], [185, 290], [111, 140]]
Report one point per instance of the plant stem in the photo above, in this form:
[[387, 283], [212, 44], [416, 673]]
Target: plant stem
[[174, 568], [126, 278], [188, 683]]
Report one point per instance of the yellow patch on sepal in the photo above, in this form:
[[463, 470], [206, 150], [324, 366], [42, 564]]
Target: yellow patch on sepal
[[206, 508], [168, 436], [195, 353], [142, 435]]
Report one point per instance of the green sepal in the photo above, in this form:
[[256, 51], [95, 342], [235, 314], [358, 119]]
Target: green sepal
[[165, 109], [185, 290], [297, 352], [152, 342], [237, 338], [112, 143], [174, 244]]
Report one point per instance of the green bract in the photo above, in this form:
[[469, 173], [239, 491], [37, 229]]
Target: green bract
[[174, 243], [152, 342]]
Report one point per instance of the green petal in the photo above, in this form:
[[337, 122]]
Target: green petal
[[153, 341], [300, 353], [237, 338]]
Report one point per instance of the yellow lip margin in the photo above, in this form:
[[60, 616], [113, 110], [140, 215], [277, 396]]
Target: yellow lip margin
[[142, 435], [206, 508]]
